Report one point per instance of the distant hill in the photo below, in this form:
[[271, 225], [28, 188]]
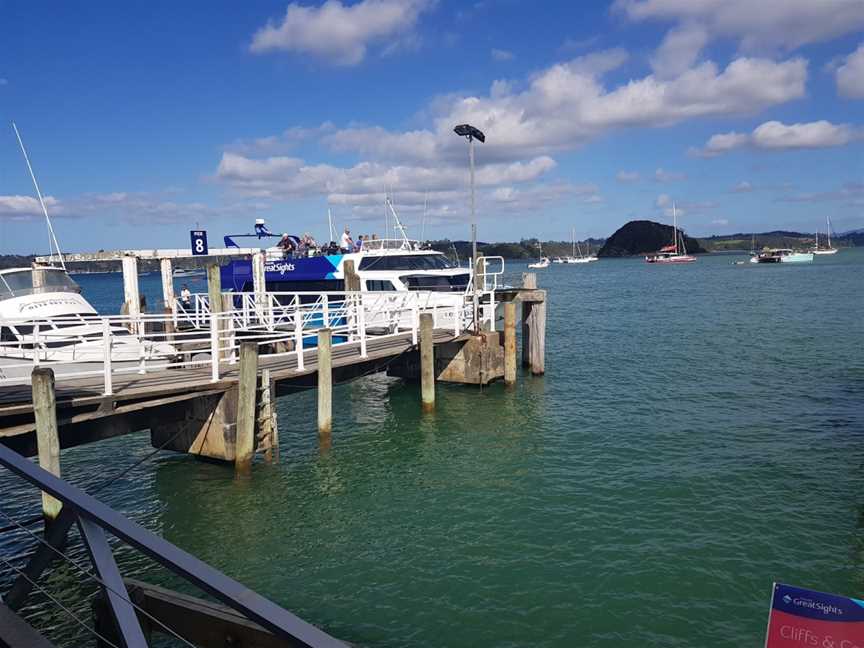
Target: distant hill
[[643, 237]]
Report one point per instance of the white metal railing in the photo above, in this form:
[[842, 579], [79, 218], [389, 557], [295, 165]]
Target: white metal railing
[[104, 348]]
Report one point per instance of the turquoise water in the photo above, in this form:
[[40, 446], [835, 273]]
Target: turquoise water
[[699, 434]]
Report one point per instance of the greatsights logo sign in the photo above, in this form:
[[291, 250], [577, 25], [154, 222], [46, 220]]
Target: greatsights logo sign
[[810, 604]]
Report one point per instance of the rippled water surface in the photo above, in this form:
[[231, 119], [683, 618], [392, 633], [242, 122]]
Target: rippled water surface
[[699, 434]]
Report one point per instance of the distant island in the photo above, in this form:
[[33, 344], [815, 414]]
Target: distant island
[[643, 237]]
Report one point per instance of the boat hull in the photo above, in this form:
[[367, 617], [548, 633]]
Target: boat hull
[[798, 257], [820, 252], [684, 258]]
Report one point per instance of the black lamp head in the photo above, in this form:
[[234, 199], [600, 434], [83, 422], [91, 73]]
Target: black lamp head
[[467, 130]]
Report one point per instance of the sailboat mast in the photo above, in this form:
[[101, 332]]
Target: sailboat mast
[[53, 237], [828, 224], [675, 227]]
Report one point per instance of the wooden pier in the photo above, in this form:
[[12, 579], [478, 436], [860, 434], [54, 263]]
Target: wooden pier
[[255, 348], [196, 408]]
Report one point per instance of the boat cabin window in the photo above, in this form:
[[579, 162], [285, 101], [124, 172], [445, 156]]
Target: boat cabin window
[[406, 262], [20, 282], [312, 285], [379, 285], [437, 283]]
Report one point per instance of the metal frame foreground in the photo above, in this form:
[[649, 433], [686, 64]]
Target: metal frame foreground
[[95, 518]]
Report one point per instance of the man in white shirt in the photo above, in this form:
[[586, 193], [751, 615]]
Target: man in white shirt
[[346, 243]]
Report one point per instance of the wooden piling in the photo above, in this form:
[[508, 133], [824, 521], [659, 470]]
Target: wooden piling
[[537, 326], [47, 440], [325, 386], [246, 408], [529, 281], [509, 343], [427, 363], [131, 292], [167, 273], [268, 431], [352, 279]]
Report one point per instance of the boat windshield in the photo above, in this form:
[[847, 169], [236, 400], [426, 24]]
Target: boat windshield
[[406, 262], [18, 283], [436, 283]]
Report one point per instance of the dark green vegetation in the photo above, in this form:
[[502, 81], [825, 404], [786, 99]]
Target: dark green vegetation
[[641, 237]]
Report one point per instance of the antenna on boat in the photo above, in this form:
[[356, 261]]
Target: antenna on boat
[[51, 235], [330, 225], [423, 220], [397, 224]]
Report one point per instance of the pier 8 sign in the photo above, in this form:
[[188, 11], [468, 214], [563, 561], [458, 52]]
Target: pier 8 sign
[[801, 617], [199, 242]]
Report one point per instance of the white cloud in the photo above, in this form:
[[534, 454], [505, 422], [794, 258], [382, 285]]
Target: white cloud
[[818, 134], [502, 55], [283, 177], [628, 176], [742, 187], [766, 24], [556, 109], [776, 136], [720, 221], [340, 33], [850, 194], [287, 140], [721, 143], [678, 51], [26, 207], [850, 75], [661, 175]]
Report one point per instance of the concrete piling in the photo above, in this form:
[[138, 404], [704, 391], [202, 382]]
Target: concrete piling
[[509, 343], [47, 439], [131, 292], [167, 272], [427, 363], [246, 408], [325, 386]]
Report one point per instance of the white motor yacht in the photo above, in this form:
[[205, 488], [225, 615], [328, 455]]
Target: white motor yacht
[[45, 320]]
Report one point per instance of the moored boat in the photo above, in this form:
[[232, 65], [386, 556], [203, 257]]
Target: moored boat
[[675, 253]]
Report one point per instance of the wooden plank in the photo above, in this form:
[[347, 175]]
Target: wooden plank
[[244, 445], [200, 622]]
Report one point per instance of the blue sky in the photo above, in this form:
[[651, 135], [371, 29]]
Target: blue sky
[[144, 121]]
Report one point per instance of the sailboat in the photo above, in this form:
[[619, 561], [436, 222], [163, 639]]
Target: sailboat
[[675, 253], [543, 262], [576, 255], [825, 250]]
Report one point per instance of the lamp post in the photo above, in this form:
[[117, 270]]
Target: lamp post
[[470, 133]]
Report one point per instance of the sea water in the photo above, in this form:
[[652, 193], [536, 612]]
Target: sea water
[[698, 435]]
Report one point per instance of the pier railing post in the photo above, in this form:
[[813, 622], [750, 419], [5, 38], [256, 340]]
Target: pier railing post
[[47, 439], [427, 363], [325, 386], [214, 300], [244, 446], [107, 339], [509, 343]]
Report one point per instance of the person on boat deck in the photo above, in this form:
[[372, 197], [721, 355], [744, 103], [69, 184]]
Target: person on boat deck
[[309, 242], [185, 295], [261, 228], [287, 244], [359, 244], [346, 242]]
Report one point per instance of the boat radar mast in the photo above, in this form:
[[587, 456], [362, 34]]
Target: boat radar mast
[[52, 238]]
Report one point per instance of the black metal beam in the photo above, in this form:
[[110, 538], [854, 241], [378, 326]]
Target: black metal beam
[[114, 589], [233, 594]]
